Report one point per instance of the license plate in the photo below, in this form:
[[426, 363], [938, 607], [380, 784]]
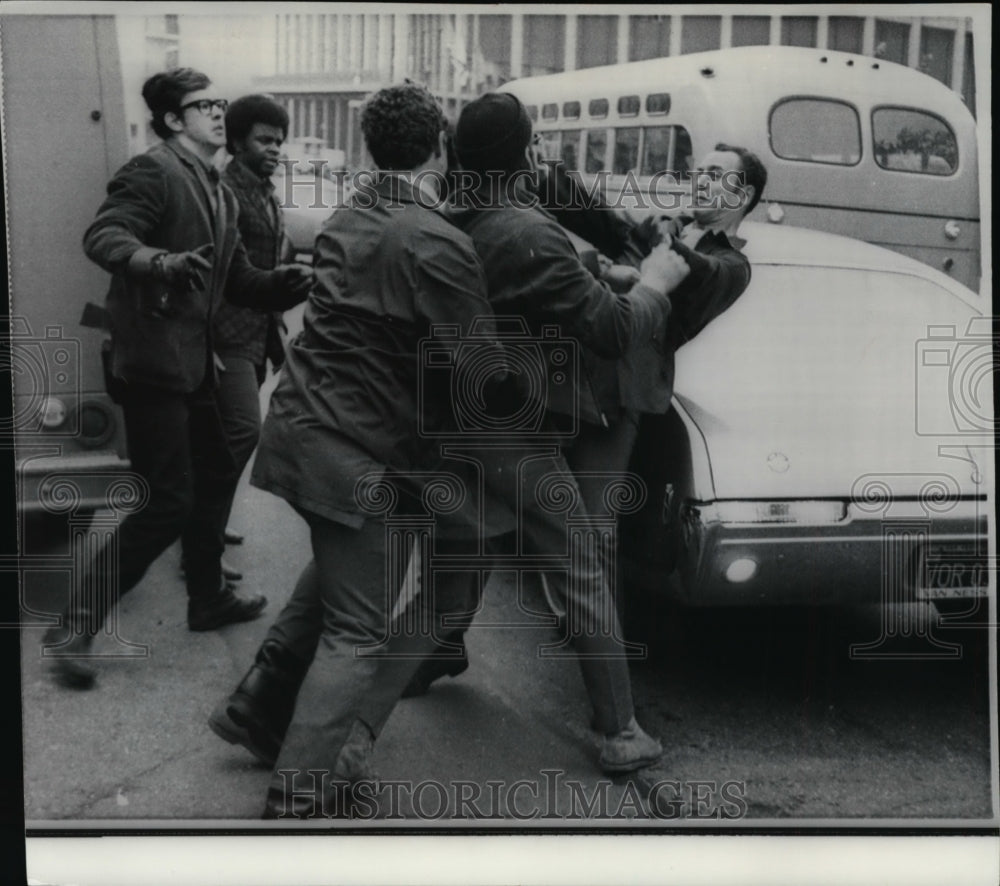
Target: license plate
[[953, 575]]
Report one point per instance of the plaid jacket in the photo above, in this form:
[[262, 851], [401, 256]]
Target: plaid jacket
[[245, 332]]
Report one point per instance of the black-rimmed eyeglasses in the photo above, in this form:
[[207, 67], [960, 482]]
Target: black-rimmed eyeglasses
[[207, 105]]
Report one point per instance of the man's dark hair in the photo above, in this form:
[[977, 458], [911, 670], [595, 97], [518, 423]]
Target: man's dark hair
[[163, 93], [402, 125], [492, 134], [754, 172], [250, 109]]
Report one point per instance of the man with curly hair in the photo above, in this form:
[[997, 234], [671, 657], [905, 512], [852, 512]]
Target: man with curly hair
[[387, 267]]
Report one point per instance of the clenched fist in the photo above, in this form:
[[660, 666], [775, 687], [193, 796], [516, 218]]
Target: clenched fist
[[184, 270], [297, 279], [663, 269]]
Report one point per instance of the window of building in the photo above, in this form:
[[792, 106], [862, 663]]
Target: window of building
[[909, 140], [571, 110], [598, 107], [892, 41], [170, 60], [751, 30], [597, 149], [937, 47], [626, 157], [597, 40], [798, 30], [550, 111], [648, 36], [544, 44], [700, 33], [170, 24], [628, 105], [845, 33], [532, 112], [494, 41], [570, 148], [666, 149], [816, 130]]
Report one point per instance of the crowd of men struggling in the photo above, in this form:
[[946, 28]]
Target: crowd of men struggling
[[198, 284]]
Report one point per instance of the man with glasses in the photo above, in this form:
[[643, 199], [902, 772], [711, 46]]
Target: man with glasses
[[167, 234]]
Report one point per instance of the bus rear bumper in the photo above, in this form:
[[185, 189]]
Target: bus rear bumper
[[82, 482]]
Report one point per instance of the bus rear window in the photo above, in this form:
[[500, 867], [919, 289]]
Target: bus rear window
[[597, 149], [816, 130], [913, 141], [666, 149], [626, 151]]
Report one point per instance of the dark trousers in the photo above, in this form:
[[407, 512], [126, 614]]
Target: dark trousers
[[238, 397], [177, 445]]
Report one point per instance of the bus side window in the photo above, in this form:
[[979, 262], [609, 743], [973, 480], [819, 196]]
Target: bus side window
[[913, 141], [666, 149], [597, 149], [570, 152], [626, 157], [816, 129], [683, 152], [549, 145]]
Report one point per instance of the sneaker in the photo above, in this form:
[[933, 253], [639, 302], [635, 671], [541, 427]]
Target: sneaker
[[629, 750], [223, 609]]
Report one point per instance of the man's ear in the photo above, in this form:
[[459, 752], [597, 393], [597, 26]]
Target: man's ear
[[173, 121], [749, 192]]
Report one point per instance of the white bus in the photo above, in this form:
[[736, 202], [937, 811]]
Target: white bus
[[853, 145]]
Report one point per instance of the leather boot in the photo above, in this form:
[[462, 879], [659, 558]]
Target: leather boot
[[68, 653], [258, 712]]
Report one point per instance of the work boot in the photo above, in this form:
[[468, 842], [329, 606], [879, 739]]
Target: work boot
[[222, 609], [629, 750], [68, 653], [258, 712], [440, 663]]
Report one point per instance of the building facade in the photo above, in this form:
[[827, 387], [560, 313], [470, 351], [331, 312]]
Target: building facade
[[325, 63]]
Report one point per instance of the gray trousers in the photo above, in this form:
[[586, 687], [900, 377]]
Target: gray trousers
[[342, 604]]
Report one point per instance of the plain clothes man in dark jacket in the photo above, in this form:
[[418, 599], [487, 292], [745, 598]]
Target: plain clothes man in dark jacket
[[167, 234], [344, 427]]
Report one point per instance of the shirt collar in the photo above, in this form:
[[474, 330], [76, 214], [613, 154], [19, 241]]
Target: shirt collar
[[719, 236], [194, 160]]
